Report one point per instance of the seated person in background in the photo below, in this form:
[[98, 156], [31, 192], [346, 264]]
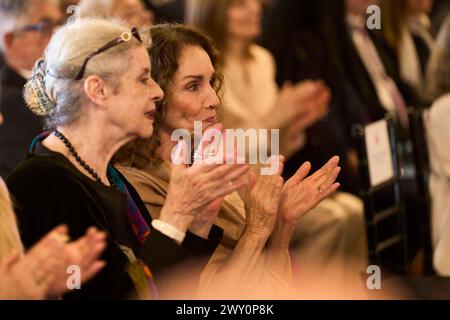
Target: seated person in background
[[438, 133], [253, 100], [25, 29], [96, 94], [251, 96], [168, 10], [407, 30], [185, 64], [131, 11], [42, 272], [293, 33]]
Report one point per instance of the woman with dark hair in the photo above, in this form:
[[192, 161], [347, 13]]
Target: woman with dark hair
[[95, 91], [246, 264]]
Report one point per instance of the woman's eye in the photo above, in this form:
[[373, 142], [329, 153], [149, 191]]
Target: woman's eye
[[145, 81], [193, 87]]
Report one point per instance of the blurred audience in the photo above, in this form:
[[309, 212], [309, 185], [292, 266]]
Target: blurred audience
[[438, 131], [25, 29], [251, 96], [293, 33], [407, 29], [131, 11]]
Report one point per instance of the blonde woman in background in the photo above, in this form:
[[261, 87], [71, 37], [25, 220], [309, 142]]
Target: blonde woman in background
[[437, 121]]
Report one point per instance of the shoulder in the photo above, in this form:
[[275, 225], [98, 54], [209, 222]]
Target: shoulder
[[261, 54], [144, 177], [39, 179], [42, 168], [151, 187], [440, 110], [47, 194], [441, 106], [439, 117]]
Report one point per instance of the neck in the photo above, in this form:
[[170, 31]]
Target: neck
[[94, 143], [164, 151], [236, 48]]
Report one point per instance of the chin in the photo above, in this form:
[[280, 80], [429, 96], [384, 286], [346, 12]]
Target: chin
[[145, 133]]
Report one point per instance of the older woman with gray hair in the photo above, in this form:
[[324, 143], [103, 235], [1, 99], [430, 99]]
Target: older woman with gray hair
[[95, 91]]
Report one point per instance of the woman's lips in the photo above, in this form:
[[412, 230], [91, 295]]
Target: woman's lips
[[150, 115], [211, 120]]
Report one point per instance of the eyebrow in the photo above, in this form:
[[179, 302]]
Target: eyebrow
[[144, 72], [197, 77]]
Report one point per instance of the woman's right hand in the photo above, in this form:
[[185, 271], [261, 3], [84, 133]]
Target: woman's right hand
[[193, 189]]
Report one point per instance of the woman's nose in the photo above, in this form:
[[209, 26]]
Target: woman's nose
[[156, 92]]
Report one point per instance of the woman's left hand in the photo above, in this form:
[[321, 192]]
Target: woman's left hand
[[301, 194]]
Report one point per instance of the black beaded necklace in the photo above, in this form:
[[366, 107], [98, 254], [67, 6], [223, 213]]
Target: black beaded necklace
[[72, 151]]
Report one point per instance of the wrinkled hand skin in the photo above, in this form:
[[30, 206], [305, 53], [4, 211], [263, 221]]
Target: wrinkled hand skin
[[262, 199], [195, 191], [301, 194]]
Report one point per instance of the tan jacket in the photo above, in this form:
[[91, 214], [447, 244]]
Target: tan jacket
[[152, 184]]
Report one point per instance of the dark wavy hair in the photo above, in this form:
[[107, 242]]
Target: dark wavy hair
[[168, 42]]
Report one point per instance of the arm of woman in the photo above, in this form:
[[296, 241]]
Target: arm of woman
[[238, 271]]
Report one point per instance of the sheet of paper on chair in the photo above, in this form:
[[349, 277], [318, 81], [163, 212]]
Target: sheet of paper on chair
[[379, 154]]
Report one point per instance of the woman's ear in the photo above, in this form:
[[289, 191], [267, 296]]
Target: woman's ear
[[97, 90], [8, 42]]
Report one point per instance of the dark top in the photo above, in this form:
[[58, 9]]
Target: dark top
[[20, 124], [167, 11], [48, 191], [310, 40]]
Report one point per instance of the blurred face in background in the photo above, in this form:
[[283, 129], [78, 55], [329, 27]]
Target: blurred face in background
[[25, 45], [417, 7], [244, 19], [133, 12], [359, 7]]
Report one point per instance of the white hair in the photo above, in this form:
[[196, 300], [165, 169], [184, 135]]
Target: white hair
[[64, 57]]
